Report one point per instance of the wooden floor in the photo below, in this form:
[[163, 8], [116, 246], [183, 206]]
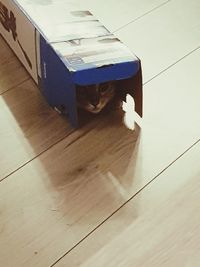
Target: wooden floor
[[106, 195]]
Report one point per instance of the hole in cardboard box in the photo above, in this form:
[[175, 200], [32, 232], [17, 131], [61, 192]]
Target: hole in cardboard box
[[95, 98]]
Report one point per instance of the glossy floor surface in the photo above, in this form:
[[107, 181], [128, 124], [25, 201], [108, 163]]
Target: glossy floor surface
[[107, 194]]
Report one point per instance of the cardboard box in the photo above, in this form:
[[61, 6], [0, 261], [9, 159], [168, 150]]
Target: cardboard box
[[62, 46]]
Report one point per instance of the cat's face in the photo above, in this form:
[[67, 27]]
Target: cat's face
[[94, 98]]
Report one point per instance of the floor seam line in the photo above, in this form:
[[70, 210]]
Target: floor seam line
[[42, 152], [15, 86], [29, 161], [141, 16], [173, 64]]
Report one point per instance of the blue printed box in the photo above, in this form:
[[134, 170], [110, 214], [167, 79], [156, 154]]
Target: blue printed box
[[64, 46]]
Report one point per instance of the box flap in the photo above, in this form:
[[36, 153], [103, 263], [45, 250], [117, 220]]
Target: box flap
[[82, 54]]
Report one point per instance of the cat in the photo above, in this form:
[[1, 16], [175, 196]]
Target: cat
[[94, 98]]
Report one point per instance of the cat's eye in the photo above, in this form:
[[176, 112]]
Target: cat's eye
[[103, 89]]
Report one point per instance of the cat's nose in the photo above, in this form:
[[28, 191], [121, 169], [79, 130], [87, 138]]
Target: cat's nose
[[95, 103]]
